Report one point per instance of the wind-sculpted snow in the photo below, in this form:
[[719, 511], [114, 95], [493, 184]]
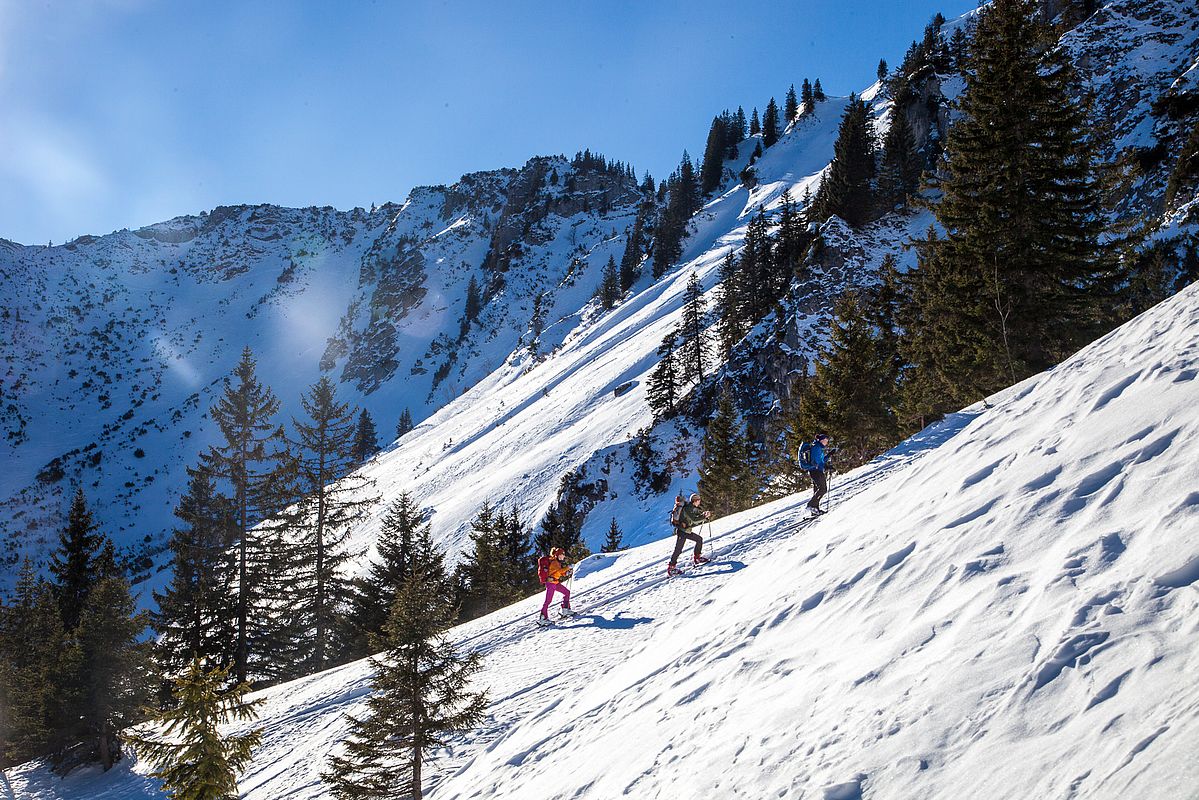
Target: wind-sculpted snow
[[1002, 606]]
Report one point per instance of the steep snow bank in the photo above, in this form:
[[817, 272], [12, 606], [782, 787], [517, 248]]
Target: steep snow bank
[[1003, 606]]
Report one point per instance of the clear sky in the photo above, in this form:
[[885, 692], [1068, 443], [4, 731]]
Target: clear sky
[[119, 113]]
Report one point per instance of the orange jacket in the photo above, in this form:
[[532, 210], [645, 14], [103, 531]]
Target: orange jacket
[[557, 571]]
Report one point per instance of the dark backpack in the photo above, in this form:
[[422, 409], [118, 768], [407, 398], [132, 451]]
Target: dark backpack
[[805, 457], [676, 512]]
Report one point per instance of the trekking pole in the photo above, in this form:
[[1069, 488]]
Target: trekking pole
[[828, 497], [711, 551]]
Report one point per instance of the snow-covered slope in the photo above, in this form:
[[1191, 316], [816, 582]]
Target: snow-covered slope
[[1003, 606]]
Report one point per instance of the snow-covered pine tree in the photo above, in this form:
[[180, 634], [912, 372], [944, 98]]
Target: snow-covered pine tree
[[326, 448], [693, 348], [420, 693], [195, 611], [366, 439], [190, 755]]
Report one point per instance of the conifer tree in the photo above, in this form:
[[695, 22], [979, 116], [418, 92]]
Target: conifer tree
[[899, 172], [817, 92], [366, 439], [474, 300], [663, 388], [684, 201], [634, 250], [405, 424], [847, 189], [190, 755], [807, 103], [420, 694], [712, 168], [852, 392], [1021, 277], [731, 325], [693, 349], [724, 476], [882, 70], [327, 447], [615, 540], [404, 547], [758, 289], [488, 575], [791, 106], [755, 127], [770, 124], [609, 288], [791, 241], [31, 644], [195, 618], [253, 463], [79, 562], [113, 674], [742, 125]]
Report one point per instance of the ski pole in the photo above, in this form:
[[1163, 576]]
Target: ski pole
[[828, 498]]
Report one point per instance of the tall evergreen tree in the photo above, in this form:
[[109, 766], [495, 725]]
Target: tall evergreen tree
[[724, 476], [195, 612], [405, 424], [1021, 277], [742, 125], [79, 562], [327, 447], [770, 124], [758, 289], [712, 167], [684, 201], [755, 127], [807, 103], [847, 189], [818, 93], [253, 463], [693, 350], [609, 288], [474, 300], [366, 439], [634, 250], [663, 388], [852, 392], [489, 577], [31, 675], [791, 242], [615, 540], [899, 173], [791, 106], [190, 755], [881, 73], [731, 324], [404, 547], [420, 694]]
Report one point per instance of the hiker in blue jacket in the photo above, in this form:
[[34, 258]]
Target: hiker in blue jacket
[[814, 459]]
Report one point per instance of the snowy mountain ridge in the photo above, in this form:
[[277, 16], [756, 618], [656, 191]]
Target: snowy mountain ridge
[[1003, 606]]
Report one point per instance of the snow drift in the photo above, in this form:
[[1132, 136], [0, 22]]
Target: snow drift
[[1002, 606]]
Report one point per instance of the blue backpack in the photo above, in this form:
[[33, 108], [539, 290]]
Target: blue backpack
[[805, 457]]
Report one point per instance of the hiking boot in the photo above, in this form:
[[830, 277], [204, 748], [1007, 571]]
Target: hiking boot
[[672, 570], [700, 560]]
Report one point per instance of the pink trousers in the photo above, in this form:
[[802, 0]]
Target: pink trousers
[[550, 588]]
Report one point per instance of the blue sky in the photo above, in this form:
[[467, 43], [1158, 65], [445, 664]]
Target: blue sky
[[119, 113]]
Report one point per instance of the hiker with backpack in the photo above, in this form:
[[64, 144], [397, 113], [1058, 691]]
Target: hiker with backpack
[[553, 571], [685, 517], [813, 458]]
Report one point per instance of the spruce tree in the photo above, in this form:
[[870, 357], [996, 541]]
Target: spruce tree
[[366, 440], [791, 106], [195, 615], [405, 424], [420, 694], [489, 578], [770, 124], [731, 323], [881, 73], [724, 476], [1021, 278], [662, 392], [758, 289], [817, 92], [712, 167], [852, 392], [114, 665], [474, 301], [755, 127], [693, 349], [684, 201], [190, 755], [634, 250], [847, 189], [609, 288], [742, 125], [404, 547], [327, 447], [807, 103], [79, 562], [252, 461], [899, 172], [790, 244], [31, 675], [615, 540]]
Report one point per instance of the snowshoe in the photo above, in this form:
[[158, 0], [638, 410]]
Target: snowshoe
[[544, 622], [701, 560], [672, 570], [566, 612]]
